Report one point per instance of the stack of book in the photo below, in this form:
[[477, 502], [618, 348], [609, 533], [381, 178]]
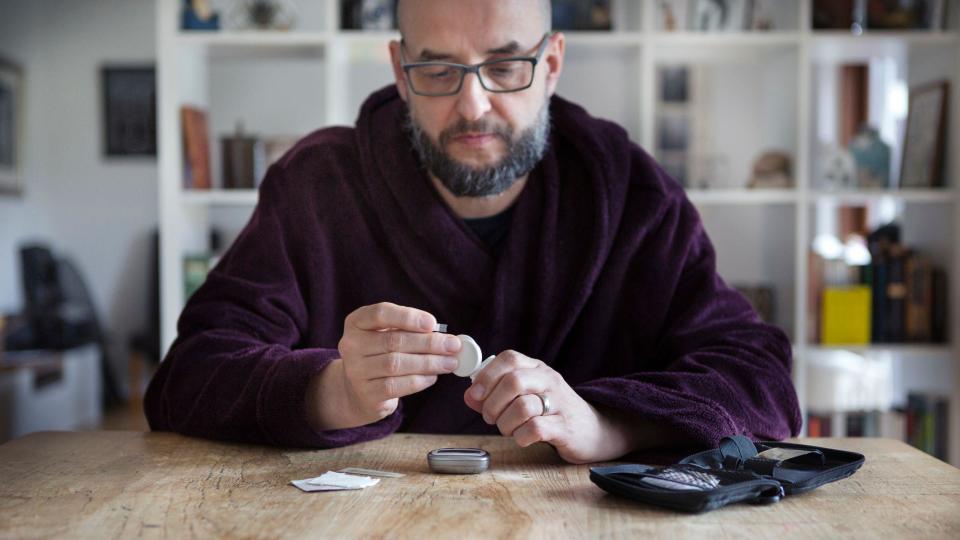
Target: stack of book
[[899, 297], [922, 423], [908, 293]]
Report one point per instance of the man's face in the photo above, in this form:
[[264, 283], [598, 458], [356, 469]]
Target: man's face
[[466, 137]]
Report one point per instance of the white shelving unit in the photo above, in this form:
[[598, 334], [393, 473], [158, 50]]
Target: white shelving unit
[[761, 90]]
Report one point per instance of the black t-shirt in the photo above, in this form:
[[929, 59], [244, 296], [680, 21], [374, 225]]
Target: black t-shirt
[[492, 230]]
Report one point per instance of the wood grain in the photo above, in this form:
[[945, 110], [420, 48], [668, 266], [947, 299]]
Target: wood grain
[[162, 485]]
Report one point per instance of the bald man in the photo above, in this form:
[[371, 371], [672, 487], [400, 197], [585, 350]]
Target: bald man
[[470, 194]]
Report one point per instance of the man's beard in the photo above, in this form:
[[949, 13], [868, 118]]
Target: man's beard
[[463, 180]]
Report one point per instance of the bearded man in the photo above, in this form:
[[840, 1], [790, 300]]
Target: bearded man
[[470, 194]]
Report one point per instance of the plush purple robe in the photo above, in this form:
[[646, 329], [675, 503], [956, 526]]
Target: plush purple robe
[[606, 275]]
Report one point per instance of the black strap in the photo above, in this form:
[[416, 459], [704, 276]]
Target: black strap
[[736, 449]]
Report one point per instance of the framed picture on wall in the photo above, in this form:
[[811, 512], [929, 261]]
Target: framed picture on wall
[[11, 128], [922, 164], [129, 111]]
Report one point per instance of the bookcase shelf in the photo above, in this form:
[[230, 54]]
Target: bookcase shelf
[[742, 196], [761, 88], [221, 197], [253, 38], [901, 349], [931, 196]]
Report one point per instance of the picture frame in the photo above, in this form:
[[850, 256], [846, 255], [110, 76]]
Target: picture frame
[[129, 111], [721, 15], [11, 128], [923, 143], [674, 84]]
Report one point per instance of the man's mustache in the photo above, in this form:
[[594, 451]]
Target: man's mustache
[[480, 126]]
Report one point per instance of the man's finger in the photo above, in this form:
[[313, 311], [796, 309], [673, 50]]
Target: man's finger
[[396, 387], [386, 315], [377, 343], [522, 409], [512, 385], [538, 429], [401, 364], [504, 363]]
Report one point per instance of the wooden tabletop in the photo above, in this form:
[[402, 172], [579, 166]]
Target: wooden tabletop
[[133, 484]]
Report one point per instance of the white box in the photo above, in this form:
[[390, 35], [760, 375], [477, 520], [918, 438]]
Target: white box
[[49, 390]]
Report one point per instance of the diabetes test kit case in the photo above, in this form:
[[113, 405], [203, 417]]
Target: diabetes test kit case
[[740, 470]]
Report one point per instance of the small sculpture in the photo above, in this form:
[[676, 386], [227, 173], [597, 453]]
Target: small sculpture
[[263, 15], [772, 170], [838, 170]]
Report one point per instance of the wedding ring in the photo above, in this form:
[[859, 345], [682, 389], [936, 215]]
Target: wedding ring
[[547, 409]]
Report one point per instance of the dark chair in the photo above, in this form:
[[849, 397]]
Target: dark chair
[[59, 312]]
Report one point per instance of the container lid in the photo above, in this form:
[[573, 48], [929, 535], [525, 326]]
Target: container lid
[[469, 357]]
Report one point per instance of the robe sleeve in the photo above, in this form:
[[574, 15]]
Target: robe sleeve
[[236, 370], [715, 369]]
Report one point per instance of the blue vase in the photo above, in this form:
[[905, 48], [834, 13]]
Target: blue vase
[[872, 158]]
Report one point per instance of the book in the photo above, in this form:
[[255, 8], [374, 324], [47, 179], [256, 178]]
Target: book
[[896, 291], [919, 299], [879, 243], [195, 269], [846, 315], [196, 148], [814, 427], [938, 317], [928, 423], [941, 412], [818, 425], [856, 424]]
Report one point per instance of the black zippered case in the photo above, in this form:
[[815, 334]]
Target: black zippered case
[[740, 470]]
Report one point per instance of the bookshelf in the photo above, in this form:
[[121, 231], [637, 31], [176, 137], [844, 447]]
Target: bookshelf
[[760, 90]]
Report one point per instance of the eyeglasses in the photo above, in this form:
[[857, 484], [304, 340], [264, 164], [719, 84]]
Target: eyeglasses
[[503, 75]]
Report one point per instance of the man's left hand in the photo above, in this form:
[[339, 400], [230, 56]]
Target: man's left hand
[[506, 392]]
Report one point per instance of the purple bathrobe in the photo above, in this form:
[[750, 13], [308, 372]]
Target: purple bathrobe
[[606, 275]]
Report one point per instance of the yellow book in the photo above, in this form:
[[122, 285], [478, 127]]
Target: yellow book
[[846, 315]]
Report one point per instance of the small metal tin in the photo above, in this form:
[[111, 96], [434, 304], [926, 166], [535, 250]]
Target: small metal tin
[[458, 460]]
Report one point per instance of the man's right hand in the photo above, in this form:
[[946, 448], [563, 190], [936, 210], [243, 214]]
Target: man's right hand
[[386, 352]]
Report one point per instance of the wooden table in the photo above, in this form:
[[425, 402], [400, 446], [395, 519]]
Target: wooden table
[[134, 484]]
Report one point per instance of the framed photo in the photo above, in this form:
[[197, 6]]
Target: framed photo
[[674, 84], [923, 141], [721, 15], [11, 128], [129, 111]]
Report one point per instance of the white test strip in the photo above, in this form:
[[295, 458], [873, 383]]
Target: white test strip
[[371, 472], [442, 328], [345, 481]]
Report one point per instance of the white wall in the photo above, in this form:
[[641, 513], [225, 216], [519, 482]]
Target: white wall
[[97, 211]]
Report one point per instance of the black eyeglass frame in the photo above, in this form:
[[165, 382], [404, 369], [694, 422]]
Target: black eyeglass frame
[[475, 69]]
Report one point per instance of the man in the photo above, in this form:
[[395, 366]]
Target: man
[[469, 194]]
